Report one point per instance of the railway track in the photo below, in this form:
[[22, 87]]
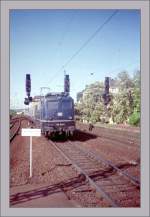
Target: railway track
[[118, 146], [121, 141], [117, 187], [11, 125], [15, 125], [14, 128]]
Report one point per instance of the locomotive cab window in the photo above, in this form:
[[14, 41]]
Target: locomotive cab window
[[52, 105], [66, 104]]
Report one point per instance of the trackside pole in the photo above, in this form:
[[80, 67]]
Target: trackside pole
[[30, 132], [30, 156]]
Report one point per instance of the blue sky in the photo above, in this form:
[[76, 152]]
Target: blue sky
[[42, 41]]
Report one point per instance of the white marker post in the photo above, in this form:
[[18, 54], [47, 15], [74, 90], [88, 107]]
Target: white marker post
[[30, 156], [30, 132]]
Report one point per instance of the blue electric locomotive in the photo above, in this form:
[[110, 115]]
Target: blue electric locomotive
[[56, 114], [53, 112]]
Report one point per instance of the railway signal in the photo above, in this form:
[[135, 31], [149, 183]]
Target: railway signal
[[67, 84], [106, 95], [28, 90]]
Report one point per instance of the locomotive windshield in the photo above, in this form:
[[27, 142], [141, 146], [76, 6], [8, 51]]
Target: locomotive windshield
[[59, 108], [51, 109], [52, 105], [66, 104]]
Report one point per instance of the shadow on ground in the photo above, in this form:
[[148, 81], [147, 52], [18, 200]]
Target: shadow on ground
[[81, 136], [47, 190], [64, 186]]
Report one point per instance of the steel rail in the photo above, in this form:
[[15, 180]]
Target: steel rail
[[16, 130], [113, 131], [11, 125], [114, 139], [100, 159], [80, 170], [14, 121]]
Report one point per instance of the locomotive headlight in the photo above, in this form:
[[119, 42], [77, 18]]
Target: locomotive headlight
[[60, 114]]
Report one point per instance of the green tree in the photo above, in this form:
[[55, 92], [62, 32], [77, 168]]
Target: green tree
[[120, 109], [134, 118], [124, 105], [124, 81]]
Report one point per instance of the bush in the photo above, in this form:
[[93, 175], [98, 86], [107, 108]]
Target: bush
[[134, 119]]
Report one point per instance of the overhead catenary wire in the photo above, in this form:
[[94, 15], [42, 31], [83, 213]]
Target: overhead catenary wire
[[75, 85], [86, 42]]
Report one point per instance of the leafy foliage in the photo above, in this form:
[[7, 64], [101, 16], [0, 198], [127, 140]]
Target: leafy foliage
[[134, 119], [124, 106]]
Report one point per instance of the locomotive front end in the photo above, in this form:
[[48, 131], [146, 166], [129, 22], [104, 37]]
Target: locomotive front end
[[58, 115]]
